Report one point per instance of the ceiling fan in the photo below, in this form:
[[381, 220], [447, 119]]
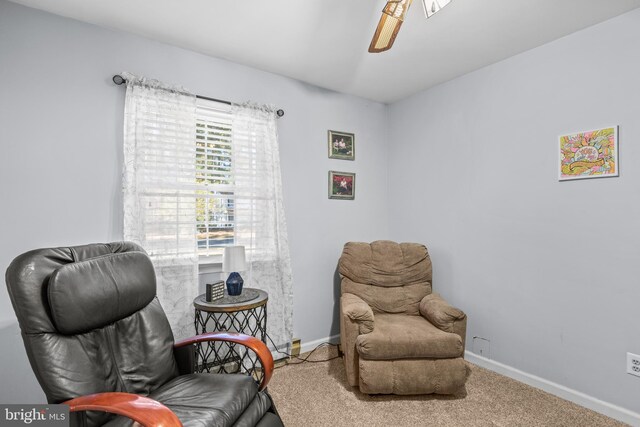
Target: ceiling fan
[[392, 18]]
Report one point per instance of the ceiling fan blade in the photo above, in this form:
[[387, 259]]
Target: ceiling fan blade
[[389, 25], [385, 34]]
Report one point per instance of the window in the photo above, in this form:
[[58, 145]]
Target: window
[[215, 203], [196, 182]]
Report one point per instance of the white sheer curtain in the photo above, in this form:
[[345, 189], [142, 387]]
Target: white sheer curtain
[[159, 196], [260, 219]]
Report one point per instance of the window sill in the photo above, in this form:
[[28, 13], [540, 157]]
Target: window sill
[[210, 264]]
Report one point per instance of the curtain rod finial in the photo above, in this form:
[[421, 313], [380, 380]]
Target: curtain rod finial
[[280, 113], [118, 79]]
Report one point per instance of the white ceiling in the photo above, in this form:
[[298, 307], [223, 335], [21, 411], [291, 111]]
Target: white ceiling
[[324, 42]]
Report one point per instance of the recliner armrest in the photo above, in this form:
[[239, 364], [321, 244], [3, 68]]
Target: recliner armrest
[[146, 411], [359, 311], [444, 316], [356, 318]]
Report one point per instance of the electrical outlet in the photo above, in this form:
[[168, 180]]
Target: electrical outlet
[[633, 364], [295, 347], [482, 347]]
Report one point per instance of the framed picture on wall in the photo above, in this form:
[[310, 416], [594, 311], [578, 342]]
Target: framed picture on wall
[[342, 145], [342, 185], [589, 154]]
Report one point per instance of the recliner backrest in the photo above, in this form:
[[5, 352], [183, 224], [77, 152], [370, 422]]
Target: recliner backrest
[[390, 277], [91, 321]]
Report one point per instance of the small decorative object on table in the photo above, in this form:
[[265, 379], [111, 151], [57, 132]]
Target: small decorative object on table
[[233, 262], [215, 291]]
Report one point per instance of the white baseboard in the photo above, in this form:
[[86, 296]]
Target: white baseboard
[[310, 345], [605, 408]]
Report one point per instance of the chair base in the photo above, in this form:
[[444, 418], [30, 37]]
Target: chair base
[[413, 376]]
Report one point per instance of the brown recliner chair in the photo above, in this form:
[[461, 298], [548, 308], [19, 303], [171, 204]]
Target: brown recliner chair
[[397, 336], [99, 341]]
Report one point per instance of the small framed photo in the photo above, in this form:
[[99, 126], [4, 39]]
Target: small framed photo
[[589, 154], [342, 145], [342, 185]]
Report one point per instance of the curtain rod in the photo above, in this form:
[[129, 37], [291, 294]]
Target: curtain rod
[[118, 79]]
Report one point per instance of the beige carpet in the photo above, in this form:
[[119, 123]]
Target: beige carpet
[[317, 394]]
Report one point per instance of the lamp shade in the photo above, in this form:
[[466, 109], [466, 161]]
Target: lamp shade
[[234, 259]]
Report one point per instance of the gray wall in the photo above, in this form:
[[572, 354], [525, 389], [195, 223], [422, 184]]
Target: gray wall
[[546, 270], [61, 139]]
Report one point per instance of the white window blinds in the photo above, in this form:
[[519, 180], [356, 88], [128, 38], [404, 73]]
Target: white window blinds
[[215, 177]]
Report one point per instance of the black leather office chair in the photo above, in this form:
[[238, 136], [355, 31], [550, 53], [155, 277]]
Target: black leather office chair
[[98, 340]]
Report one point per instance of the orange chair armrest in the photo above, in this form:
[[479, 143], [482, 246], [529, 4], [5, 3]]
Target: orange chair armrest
[[146, 411], [260, 348]]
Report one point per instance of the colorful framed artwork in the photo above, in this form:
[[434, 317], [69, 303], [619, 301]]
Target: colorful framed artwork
[[342, 185], [342, 145], [589, 154]]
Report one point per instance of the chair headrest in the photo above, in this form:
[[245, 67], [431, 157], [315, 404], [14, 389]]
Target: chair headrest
[[89, 294], [385, 263]]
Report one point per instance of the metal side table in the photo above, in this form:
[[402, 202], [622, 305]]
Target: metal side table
[[246, 314]]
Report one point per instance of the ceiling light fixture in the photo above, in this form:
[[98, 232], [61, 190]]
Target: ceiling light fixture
[[432, 6], [389, 25], [392, 18]]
